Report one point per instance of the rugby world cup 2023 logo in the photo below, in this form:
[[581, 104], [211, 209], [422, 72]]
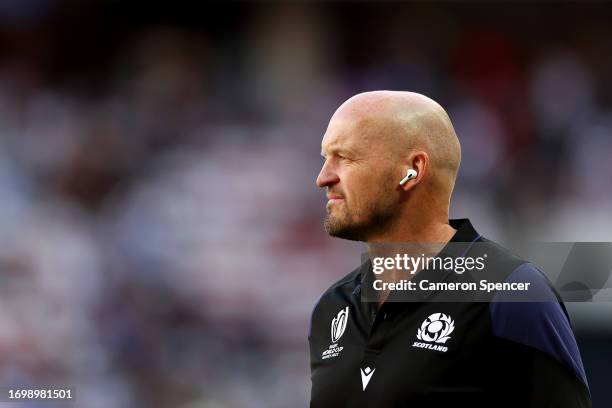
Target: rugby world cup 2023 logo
[[338, 324], [436, 328]]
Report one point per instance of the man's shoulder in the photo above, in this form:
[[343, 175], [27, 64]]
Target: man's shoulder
[[498, 259], [346, 285], [503, 266], [341, 291], [338, 295]]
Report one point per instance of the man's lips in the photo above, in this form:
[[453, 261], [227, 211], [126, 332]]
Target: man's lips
[[334, 197]]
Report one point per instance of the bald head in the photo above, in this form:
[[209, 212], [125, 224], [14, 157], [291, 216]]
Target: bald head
[[371, 141], [400, 121]]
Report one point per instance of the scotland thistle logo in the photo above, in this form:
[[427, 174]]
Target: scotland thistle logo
[[338, 324], [436, 328]]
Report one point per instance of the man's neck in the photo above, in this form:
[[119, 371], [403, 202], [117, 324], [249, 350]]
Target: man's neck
[[418, 232]]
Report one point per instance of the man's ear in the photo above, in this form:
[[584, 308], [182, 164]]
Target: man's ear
[[417, 167]]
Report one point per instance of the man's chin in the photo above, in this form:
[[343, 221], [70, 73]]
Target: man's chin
[[338, 229], [347, 228]]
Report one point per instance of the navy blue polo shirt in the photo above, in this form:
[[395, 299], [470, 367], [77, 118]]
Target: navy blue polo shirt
[[495, 353]]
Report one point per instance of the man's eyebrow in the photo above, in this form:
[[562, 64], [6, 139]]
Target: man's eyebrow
[[329, 149], [338, 150]]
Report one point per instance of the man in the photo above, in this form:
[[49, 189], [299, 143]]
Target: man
[[391, 159]]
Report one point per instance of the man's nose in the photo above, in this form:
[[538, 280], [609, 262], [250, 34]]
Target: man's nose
[[327, 176]]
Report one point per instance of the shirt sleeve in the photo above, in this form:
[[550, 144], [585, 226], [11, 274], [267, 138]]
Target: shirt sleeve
[[538, 323]]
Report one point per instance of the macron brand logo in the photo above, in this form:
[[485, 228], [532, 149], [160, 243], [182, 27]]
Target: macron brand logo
[[435, 329], [366, 375], [338, 324]]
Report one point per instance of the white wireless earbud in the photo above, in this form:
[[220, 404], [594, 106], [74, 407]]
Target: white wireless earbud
[[409, 176]]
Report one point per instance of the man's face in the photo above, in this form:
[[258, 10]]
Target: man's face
[[358, 176]]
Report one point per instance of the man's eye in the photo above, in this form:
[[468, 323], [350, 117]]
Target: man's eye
[[346, 159]]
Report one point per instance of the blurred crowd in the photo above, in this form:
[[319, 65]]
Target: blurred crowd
[[162, 242]]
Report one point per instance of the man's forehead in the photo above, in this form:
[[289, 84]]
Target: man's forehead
[[364, 133], [349, 133]]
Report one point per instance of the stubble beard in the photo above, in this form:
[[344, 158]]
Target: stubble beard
[[375, 219]]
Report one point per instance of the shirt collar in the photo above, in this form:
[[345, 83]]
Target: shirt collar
[[463, 239], [458, 246], [465, 230]]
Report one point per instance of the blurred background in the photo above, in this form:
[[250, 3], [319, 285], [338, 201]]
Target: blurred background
[[161, 236]]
